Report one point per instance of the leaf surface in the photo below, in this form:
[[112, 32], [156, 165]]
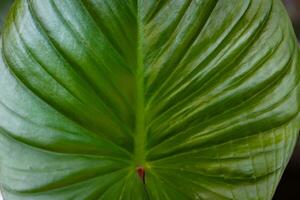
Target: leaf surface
[[201, 95]]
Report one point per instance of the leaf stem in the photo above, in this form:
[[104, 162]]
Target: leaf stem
[[140, 134]]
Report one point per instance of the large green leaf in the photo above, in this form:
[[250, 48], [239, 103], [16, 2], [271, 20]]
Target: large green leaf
[[202, 95]]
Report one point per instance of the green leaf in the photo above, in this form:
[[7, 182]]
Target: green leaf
[[200, 95]]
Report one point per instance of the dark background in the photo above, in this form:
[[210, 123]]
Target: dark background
[[289, 186]]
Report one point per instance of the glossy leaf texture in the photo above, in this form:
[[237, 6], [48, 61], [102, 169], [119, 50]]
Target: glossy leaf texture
[[201, 94]]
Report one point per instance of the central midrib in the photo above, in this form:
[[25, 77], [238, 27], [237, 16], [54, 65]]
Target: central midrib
[[140, 133]]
